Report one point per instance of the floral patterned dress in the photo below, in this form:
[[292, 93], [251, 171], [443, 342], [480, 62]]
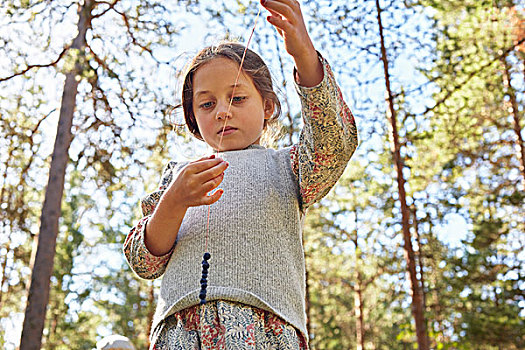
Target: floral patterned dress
[[219, 325]]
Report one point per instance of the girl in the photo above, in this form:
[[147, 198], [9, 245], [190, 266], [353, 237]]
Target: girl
[[256, 283]]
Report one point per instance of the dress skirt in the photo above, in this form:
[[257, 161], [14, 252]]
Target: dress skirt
[[226, 325]]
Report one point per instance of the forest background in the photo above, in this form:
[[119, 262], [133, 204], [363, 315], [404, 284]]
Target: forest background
[[421, 243]]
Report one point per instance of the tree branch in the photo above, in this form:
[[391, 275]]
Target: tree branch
[[111, 7], [472, 75], [29, 67], [96, 87]]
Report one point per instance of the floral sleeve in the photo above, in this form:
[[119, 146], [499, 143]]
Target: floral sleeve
[[140, 259], [327, 141]]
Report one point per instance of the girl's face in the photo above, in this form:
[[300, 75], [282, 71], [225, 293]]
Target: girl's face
[[212, 91]]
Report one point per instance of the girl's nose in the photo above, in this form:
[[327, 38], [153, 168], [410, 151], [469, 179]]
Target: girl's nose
[[223, 114]]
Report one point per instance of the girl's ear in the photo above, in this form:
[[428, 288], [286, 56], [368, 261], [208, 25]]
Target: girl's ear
[[269, 107]]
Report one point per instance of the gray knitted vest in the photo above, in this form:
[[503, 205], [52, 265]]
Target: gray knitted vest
[[255, 241]]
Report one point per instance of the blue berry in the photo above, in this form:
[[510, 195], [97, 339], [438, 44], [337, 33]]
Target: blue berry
[[204, 277]]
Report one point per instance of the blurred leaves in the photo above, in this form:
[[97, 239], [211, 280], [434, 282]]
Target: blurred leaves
[[457, 135]]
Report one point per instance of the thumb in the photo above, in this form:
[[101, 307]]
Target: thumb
[[214, 197], [204, 158]]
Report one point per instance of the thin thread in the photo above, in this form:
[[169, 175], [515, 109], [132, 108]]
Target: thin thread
[[226, 118], [237, 79], [207, 229]]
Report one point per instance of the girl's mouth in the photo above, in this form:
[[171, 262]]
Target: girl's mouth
[[227, 131]]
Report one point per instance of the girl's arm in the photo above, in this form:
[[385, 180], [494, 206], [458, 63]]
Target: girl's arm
[[140, 259], [327, 141], [329, 135], [150, 243], [287, 18]]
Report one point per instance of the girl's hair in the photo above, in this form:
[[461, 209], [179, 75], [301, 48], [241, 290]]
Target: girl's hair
[[253, 66]]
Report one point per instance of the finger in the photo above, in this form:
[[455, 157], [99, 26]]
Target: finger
[[212, 184], [275, 14], [285, 8], [207, 157], [211, 173], [214, 197], [203, 158], [280, 24], [199, 166]]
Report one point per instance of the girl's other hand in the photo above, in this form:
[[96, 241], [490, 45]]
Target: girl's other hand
[[195, 181], [189, 189], [287, 18]]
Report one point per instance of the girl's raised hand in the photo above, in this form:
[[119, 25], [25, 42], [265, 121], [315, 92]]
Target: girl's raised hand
[[287, 18]]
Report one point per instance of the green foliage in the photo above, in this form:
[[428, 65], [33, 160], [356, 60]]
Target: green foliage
[[471, 165], [346, 252], [460, 153]]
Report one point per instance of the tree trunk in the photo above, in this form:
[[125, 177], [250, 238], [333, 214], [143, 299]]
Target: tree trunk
[[151, 306], [4, 267], [290, 132], [358, 293], [38, 296], [307, 297], [419, 257], [307, 306], [420, 265], [358, 309], [417, 298], [3, 221], [516, 118]]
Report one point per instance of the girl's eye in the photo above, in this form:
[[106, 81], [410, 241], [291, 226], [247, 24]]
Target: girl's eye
[[206, 105], [238, 99]]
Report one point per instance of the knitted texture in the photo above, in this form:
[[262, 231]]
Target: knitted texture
[[254, 239]]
